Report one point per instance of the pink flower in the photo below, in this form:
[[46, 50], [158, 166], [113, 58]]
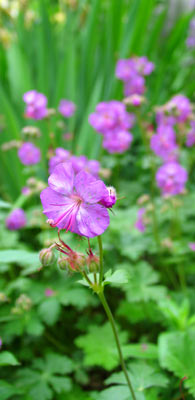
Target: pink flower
[[61, 156], [110, 199], [72, 202], [36, 105], [171, 178], [139, 224], [66, 108], [16, 219], [164, 143], [29, 154], [117, 141], [111, 115], [127, 68], [135, 85], [192, 246], [177, 110]]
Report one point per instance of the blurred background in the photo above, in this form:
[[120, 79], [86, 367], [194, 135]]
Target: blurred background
[[55, 342], [70, 49]]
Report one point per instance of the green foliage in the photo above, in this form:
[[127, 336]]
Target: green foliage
[[46, 374], [177, 354], [55, 343], [7, 358], [99, 346]]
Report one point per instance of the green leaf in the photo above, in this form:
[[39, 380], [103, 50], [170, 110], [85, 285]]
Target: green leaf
[[177, 354], [7, 358], [119, 392], [142, 284], [61, 384], [78, 297], [143, 350], [22, 257], [143, 377], [41, 390], [6, 390], [49, 310], [56, 363], [118, 277], [99, 346], [4, 204]]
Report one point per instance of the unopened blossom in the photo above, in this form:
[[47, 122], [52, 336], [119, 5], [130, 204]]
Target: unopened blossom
[[16, 219], [66, 108], [190, 141], [36, 105], [29, 154], [139, 224], [111, 115], [1, 342], [163, 143], [192, 246], [61, 156], [71, 202], [171, 178], [110, 199], [117, 141]]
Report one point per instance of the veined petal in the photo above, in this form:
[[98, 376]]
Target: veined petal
[[92, 220], [61, 209], [62, 179], [89, 188]]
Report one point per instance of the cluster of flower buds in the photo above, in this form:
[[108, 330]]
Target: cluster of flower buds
[[69, 260], [31, 132], [33, 186], [23, 303], [12, 144]]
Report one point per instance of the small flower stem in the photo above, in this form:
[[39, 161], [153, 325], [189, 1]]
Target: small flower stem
[[112, 322], [101, 259]]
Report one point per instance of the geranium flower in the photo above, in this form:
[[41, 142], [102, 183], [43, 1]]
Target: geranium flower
[[29, 154], [16, 219], [72, 202]]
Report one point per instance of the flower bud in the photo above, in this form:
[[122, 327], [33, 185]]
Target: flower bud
[[47, 257], [93, 262], [63, 263], [110, 199], [134, 100]]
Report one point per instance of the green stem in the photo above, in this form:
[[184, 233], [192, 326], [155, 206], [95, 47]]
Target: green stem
[[101, 259], [112, 322]]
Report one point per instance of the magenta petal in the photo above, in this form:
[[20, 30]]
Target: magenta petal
[[59, 208], [62, 179], [92, 220], [89, 188]]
